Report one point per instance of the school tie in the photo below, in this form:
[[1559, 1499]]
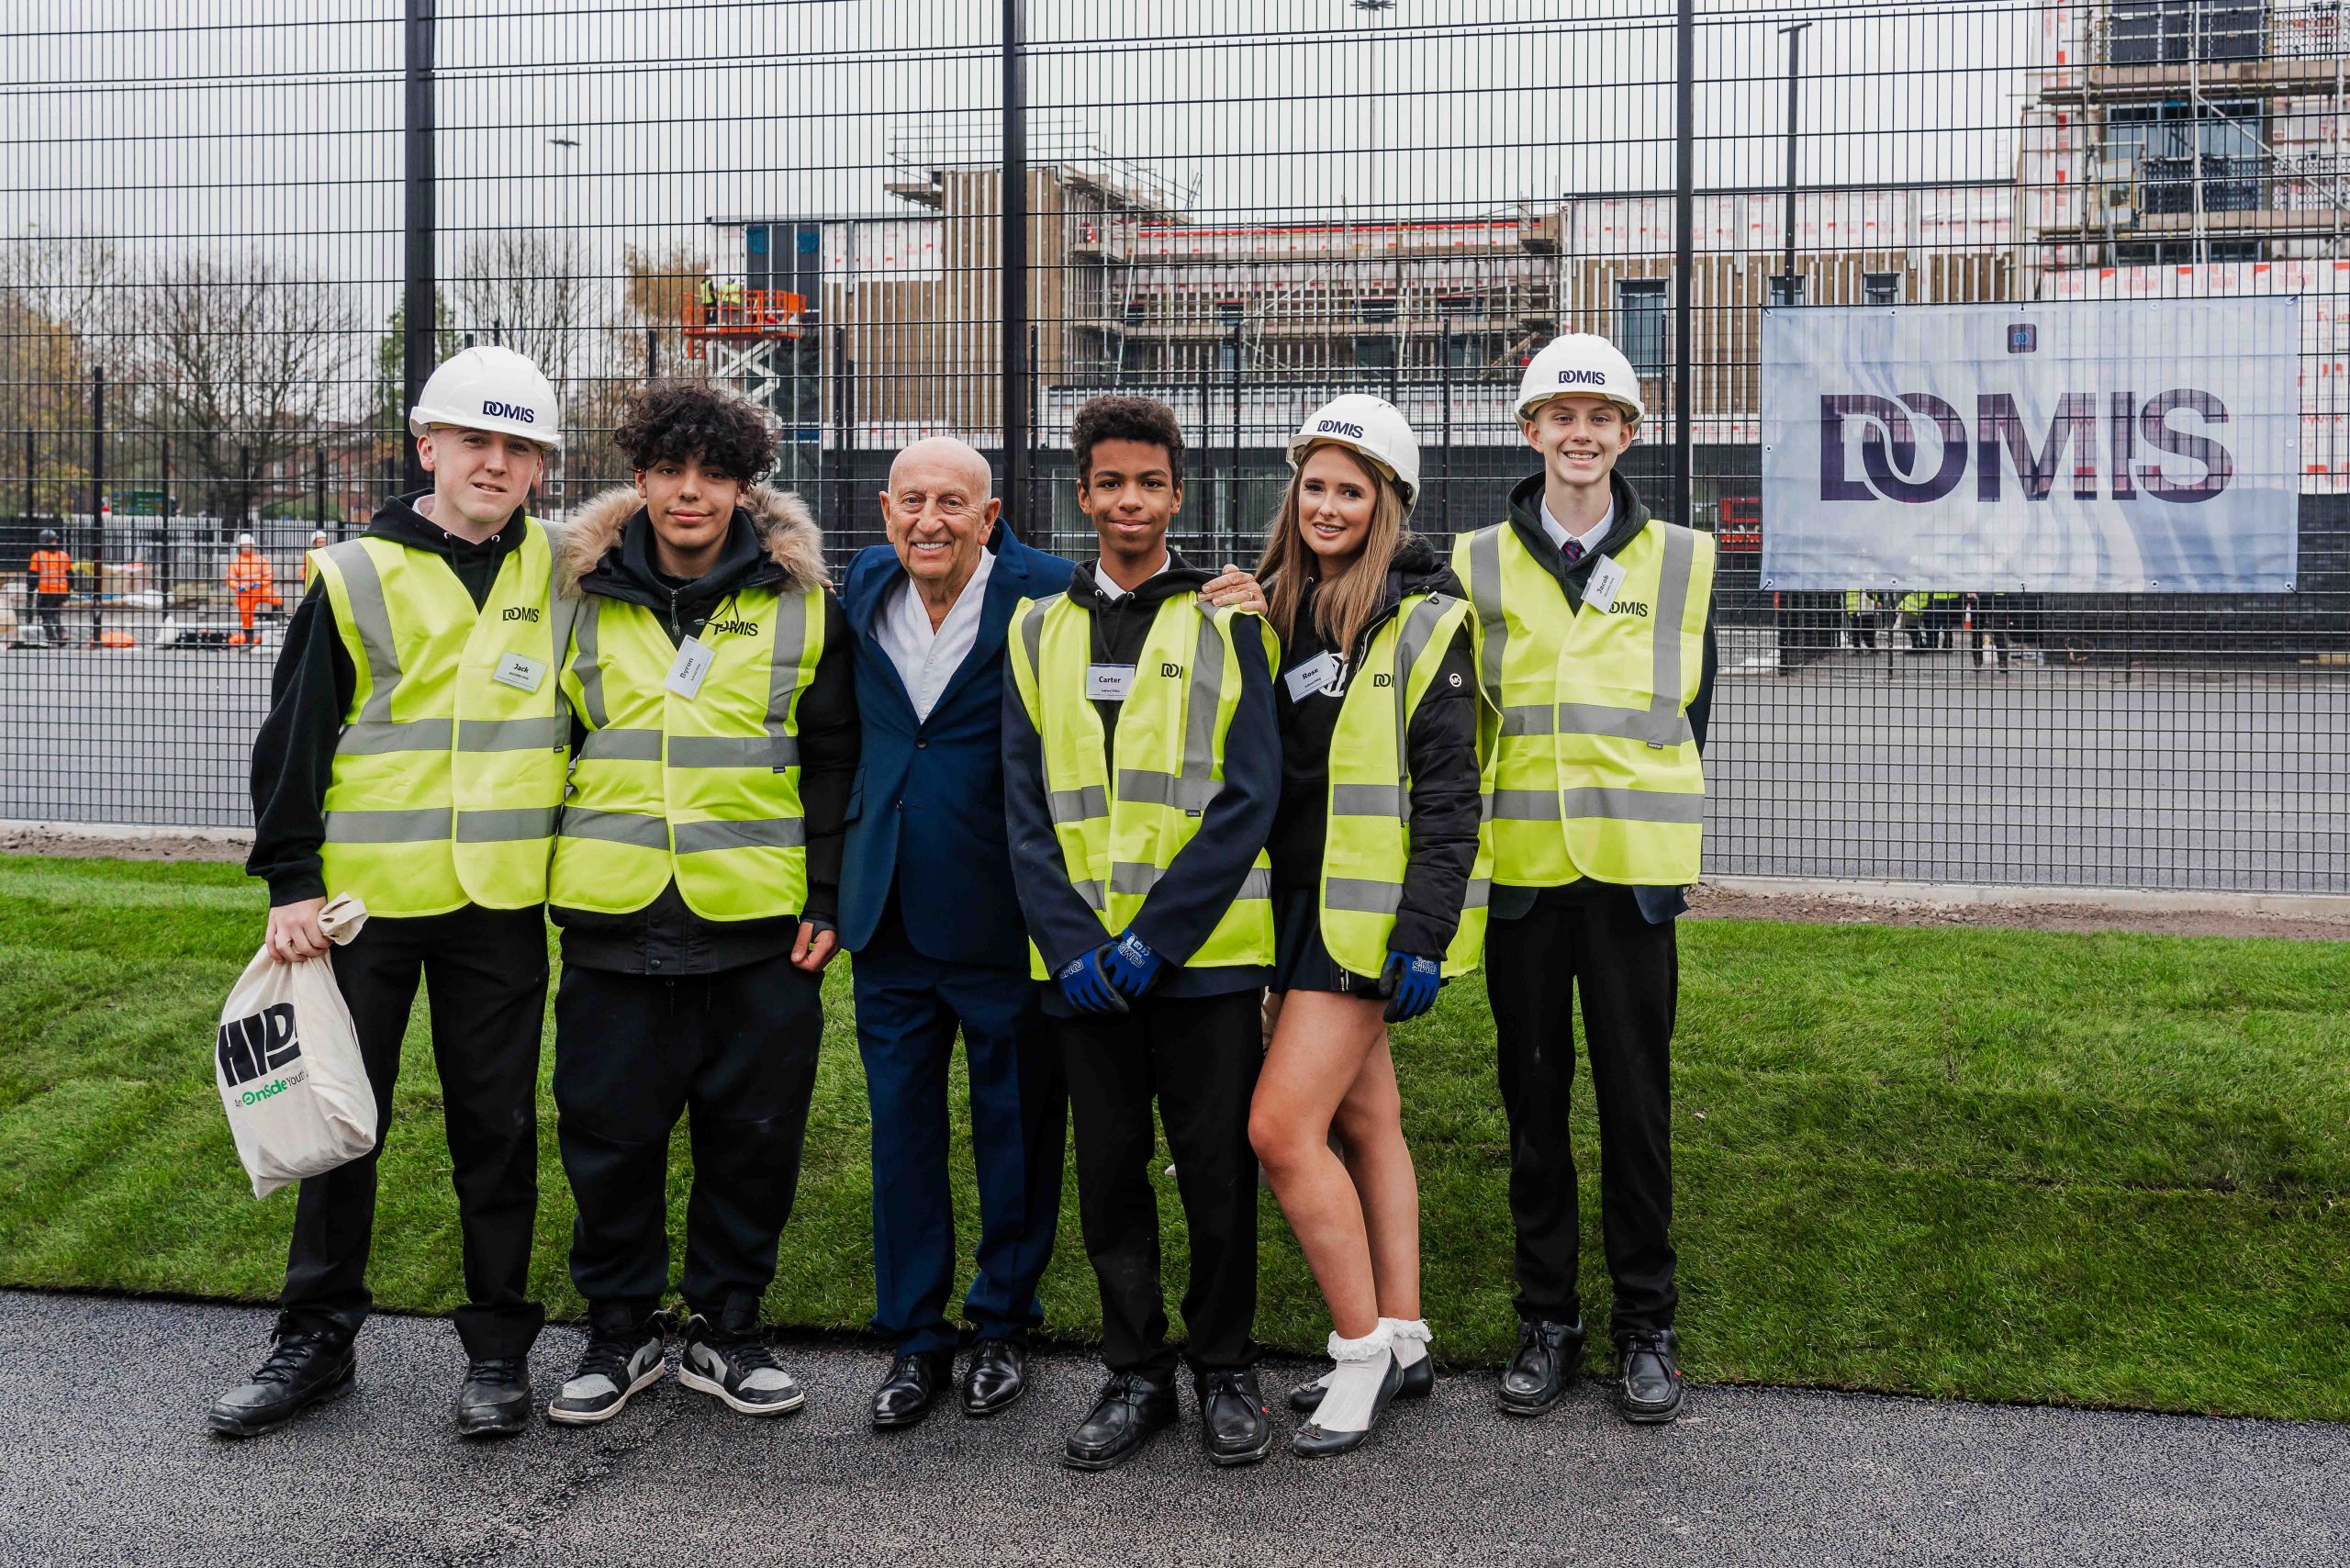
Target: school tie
[[1573, 550]]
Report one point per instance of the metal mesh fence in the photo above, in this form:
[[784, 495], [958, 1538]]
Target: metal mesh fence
[[221, 239]]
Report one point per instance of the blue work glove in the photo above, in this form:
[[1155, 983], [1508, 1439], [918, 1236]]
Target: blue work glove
[[1409, 982], [1087, 986], [1132, 967]]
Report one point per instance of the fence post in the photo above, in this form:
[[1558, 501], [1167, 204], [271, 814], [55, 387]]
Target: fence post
[[171, 534], [421, 312], [318, 485], [1232, 481], [652, 353], [1444, 386], [1684, 252], [1014, 283], [31, 499], [97, 502]]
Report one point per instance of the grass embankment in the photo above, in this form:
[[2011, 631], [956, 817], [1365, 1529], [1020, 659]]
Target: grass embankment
[[2002, 1165]]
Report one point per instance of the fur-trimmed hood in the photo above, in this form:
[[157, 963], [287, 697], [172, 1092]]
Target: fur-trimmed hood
[[785, 527]]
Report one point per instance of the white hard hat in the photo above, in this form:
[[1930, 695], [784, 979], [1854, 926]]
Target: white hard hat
[[1579, 363], [489, 389], [1371, 426], [317, 535], [244, 541]]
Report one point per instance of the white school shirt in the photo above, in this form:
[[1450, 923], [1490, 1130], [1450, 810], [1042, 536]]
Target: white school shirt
[[927, 659], [1589, 539]]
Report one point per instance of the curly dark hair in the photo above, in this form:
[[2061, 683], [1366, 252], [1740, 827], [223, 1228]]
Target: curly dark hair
[[1117, 416], [678, 421]]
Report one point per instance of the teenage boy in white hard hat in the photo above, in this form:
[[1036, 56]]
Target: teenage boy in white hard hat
[[414, 757], [1595, 641]]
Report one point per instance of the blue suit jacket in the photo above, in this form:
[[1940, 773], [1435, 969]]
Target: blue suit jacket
[[929, 795]]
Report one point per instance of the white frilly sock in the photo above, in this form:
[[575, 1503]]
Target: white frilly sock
[[1410, 1338], [1351, 1390]]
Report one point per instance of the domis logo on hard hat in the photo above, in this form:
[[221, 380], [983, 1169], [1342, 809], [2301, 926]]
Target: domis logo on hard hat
[[496, 411], [1583, 378], [1337, 426]]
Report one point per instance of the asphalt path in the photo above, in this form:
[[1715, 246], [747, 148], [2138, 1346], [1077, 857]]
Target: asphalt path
[[104, 1459], [1906, 770]]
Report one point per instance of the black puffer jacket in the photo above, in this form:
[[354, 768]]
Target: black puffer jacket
[[1440, 749]]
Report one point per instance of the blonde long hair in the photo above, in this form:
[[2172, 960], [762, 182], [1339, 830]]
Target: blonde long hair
[[1347, 603]]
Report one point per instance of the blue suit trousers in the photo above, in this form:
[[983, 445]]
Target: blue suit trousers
[[909, 1008]]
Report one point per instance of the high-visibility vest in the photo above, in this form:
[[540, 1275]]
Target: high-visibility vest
[[1368, 847], [703, 789], [1597, 774], [1118, 837], [1853, 601], [250, 574], [52, 571], [450, 769]]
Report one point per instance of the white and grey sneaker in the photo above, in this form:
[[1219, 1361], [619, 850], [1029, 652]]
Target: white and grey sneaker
[[737, 1368], [612, 1368]]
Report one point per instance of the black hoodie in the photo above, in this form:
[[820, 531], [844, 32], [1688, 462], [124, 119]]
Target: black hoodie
[[1197, 889], [665, 939], [1659, 903], [1440, 749], [310, 690]]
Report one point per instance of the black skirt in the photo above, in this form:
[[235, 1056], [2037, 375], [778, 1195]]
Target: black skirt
[[1300, 961]]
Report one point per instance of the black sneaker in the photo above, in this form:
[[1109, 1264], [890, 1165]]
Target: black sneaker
[[1650, 1392], [736, 1368], [614, 1367], [495, 1401], [304, 1368]]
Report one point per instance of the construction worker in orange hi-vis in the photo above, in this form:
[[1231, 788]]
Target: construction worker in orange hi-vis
[[51, 572], [254, 584]]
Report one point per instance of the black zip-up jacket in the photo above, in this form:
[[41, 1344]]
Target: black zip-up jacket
[[1659, 903], [1440, 749], [772, 543], [1199, 887], [310, 693]]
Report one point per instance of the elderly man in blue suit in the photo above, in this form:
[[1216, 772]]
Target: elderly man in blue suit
[[927, 905]]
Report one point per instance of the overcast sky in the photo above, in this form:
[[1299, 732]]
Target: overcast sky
[[267, 126]]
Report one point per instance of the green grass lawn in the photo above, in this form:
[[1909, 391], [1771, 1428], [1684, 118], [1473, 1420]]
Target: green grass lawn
[[2003, 1165]]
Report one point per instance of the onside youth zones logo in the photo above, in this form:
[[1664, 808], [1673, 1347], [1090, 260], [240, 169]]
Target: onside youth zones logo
[[257, 1044], [2102, 436]]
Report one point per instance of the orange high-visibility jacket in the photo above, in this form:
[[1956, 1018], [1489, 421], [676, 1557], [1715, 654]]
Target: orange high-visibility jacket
[[249, 578], [52, 571]]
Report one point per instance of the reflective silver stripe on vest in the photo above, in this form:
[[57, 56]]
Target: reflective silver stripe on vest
[[1666, 726], [1531, 719], [1137, 879], [1090, 891], [423, 824], [372, 618], [1672, 602], [616, 827], [1155, 789], [1077, 805], [767, 833], [1526, 805], [507, 825], [1368, 800], [621, 746], [1480, 892], [543, 734], [584, 668], [382, 737], [783, 683], [1485, 593], [1635, 805], [1418, 627], [1202, 698], [734, 751], [1362, 897]]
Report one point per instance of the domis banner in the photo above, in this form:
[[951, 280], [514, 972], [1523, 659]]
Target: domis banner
[[2142, 446]]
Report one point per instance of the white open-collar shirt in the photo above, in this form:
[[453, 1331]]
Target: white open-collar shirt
[[927, 657]]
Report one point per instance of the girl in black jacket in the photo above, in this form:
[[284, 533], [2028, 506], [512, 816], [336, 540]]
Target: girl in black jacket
[[1338, 567]]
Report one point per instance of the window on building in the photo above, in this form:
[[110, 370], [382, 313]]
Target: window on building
[[1880, 288], [2172, 32], [2169, 146], [1378, 308], [1639, 323], [1227, 313], [1374, 351], [1785, 290]]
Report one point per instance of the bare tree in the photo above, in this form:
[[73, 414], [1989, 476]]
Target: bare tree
[[52, 302], [523, 288], [241, 362]]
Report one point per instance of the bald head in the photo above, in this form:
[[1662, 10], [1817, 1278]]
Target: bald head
[[939, 515]]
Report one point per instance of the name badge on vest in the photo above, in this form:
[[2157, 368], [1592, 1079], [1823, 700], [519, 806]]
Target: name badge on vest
[[1322, 673], [1108, 683], [693, 663], [520, 673], [1599, 592]]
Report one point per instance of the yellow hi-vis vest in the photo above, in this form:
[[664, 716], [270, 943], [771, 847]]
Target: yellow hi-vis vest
[[702, 788], [449, 770], [1368, 844], [1597, 774], [1118, 837]]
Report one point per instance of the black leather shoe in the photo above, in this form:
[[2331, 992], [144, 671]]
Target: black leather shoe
[[1548, 1357], [1418, 1382], [1650, 1391], [997, 1375], [1129, 1409], [303, 1369], [914, 1379], [496, 1400], [1310, 1441], [1235, 1424]]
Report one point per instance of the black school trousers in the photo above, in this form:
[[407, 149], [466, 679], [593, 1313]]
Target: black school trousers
[[1588, 939], [1197, 1057], [484, 976], [733, 1052]]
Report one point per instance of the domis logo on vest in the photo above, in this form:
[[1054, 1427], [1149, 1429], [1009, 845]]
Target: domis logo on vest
[[498, 411], [259, 1043], [736, 628]]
